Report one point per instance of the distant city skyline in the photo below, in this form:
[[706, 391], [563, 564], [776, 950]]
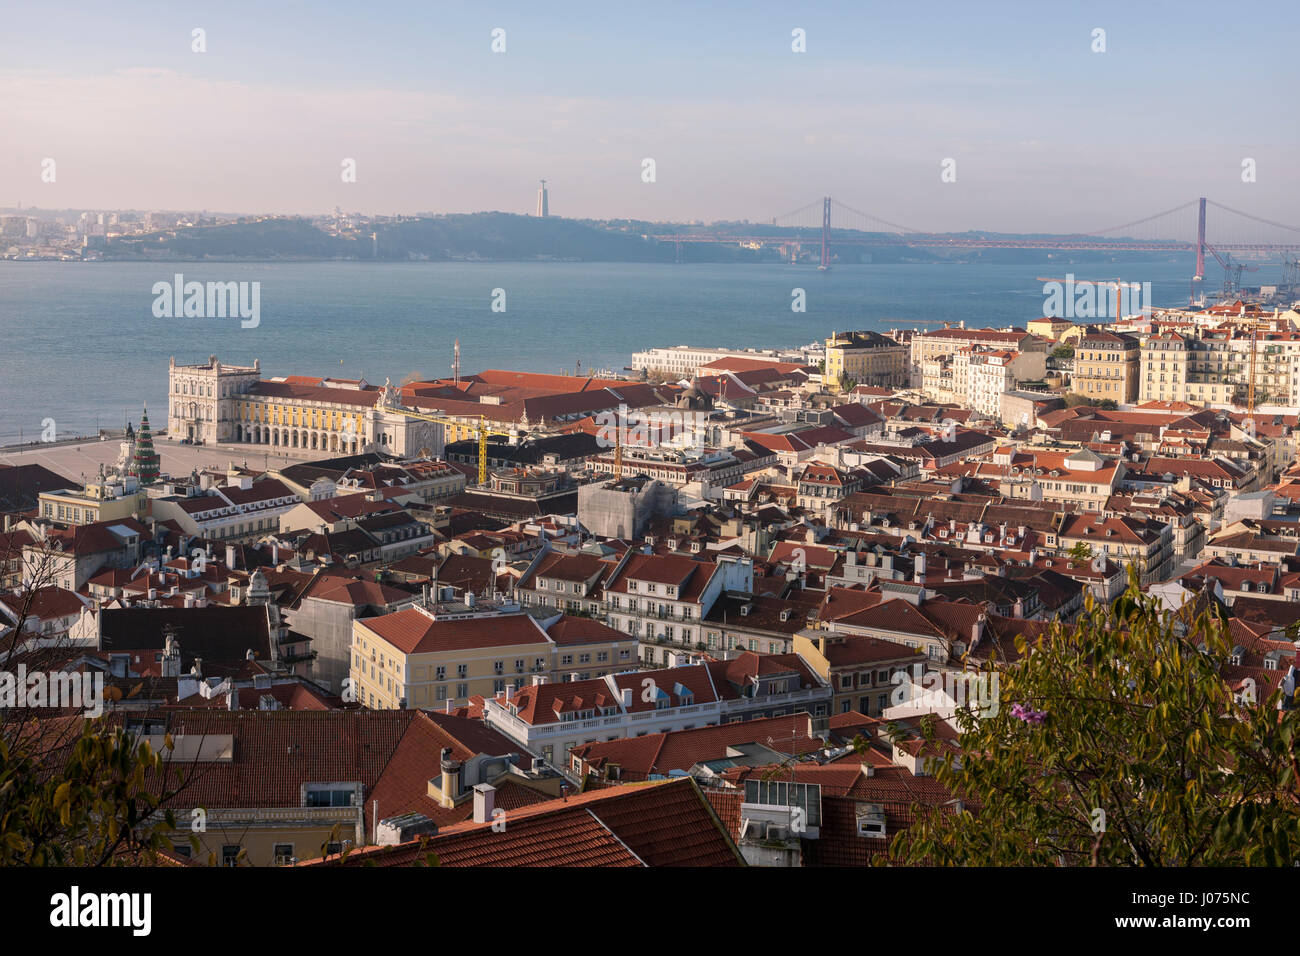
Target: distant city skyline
[[1045, 133]]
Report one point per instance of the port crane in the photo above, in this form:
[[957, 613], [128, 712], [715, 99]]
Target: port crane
[[1231, 272]]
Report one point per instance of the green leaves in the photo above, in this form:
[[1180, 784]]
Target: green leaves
[[1143, 733], [88, 798]]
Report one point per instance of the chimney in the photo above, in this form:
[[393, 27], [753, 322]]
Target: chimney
[[821, 644], [230, 556], [918, 565], [539, 679], [977, 632], [1019, 609], [484, 802], [450, 778]]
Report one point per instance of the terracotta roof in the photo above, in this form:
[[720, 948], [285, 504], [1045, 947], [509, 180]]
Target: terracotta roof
[[661, 823], [412, 631]]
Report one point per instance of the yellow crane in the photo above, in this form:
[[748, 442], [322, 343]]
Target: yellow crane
[[481, 431]]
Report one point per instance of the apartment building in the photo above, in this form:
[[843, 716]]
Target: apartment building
[[685, 361], [860, 670], [1082, 479], [1107, 365], [981, 376], [866, 358], [1145, 543], [550, 719], [244, 508], [941, 343], [1211, 366], [662, 599], [437, 656], [567, 581], [822, 487]]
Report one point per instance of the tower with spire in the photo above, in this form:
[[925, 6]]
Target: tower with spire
[[144, 462]]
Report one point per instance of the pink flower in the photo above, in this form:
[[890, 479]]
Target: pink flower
[[1028, 714]]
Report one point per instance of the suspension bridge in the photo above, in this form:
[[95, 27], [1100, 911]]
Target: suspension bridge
[[1181, 229]]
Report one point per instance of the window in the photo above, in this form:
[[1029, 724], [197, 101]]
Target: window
[[229, 854], [440, 673], [283, 854], [462, 670], [324, 797]]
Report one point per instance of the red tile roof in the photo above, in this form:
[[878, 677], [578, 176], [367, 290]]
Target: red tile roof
[[412, 631]]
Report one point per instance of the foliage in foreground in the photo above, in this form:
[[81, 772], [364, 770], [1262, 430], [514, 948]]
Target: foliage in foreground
[[1118, 742], [92, 799]]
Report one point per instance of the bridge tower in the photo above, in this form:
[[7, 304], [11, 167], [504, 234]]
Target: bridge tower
[[1200, 242], [826, 234]]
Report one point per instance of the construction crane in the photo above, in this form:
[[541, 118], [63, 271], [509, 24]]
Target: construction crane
[[481, 431], [1118, 284]]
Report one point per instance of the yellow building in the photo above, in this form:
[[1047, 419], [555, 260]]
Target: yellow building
[[867, 358], [437, 657], [859, 669], [268, 787], [1107, 365], [1049, 328], [108, 499]]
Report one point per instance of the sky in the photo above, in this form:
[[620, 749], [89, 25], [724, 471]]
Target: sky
[[1045, 134]]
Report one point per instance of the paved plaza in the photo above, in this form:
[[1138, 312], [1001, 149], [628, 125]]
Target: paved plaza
[[84, 459]]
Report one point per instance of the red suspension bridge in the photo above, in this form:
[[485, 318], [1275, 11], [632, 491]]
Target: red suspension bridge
[[1181, 229]]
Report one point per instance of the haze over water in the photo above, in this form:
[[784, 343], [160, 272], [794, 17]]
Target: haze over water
[[79, 340]]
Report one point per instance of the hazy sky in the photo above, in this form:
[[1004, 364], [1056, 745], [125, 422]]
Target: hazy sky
[[1046, 134]]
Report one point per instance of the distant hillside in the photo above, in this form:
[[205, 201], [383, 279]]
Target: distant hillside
[[505, 236], [489, 235], [267, 239]]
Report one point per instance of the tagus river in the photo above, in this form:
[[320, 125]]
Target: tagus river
[[80, 343]]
